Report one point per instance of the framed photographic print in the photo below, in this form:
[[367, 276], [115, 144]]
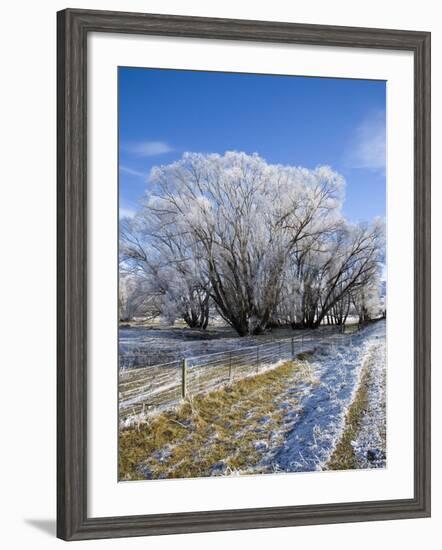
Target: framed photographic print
[[243, 274]]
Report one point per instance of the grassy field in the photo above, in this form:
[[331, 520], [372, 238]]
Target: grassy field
[[323, 410], [222, 432]]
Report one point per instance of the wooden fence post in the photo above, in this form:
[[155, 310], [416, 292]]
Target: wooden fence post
[[184, 377], [293, 348], [257, 358], [230, 367]]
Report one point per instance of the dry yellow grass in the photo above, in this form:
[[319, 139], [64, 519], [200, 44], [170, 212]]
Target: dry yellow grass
[[212, 433], [343, 457]]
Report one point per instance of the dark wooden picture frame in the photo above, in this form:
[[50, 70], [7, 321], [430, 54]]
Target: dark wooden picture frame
[[73, 28]]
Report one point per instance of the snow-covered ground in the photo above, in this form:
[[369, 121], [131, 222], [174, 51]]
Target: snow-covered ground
[[146, 382], [370, 444], [312, 431], [314, 402], [149, 346]]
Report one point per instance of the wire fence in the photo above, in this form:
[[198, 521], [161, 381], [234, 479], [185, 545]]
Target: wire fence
[[144, 388]]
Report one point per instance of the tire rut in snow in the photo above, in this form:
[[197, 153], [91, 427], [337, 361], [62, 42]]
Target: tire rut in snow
[[310, 443], [369, 446]]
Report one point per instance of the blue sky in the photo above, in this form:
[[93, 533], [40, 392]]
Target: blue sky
[[299, 121]]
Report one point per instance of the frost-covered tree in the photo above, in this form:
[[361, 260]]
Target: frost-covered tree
[[242, 218], [136, 299], [266, 244], [368, 302], [355, 256], [169, 270], [326, 272]]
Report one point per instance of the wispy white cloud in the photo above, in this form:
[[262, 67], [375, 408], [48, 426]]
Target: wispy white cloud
[[369, 145], [148, 148], [126, 213], [132, 172]]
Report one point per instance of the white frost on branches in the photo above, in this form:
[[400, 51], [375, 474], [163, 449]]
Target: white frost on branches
[[262, 243]]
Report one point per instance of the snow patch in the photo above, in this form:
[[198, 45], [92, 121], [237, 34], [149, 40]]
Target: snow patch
[[320, 422]]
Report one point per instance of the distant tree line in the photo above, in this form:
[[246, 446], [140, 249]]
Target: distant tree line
[[264, 245]]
